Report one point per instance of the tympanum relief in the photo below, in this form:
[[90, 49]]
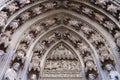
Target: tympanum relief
[[63, 62]]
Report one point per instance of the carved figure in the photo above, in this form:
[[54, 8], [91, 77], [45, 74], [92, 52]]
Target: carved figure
[[3, 18], [11, 73], [104, 54], [33, 77], [112, 73], [14, 24], [87, 11], [112, 8], [100, 18], [25, 16], [37, 10], [50, 5], [117, 37], [96, 38], [102, 3], [89, 63], [35, 63], [83, 47], [87, 30], [19, 55], [91, 76], [12, 7], [109, 25]]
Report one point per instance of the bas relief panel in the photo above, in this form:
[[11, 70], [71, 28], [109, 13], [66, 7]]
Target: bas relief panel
[[62, 64]]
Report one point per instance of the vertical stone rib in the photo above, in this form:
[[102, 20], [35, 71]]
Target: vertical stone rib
[[5, 62]]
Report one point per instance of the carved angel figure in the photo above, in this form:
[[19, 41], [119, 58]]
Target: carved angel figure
[[37, 10], [23, 47], [109, 25], [28, 38], [51, 39], [89, 63], [20, 56], [112, 8], [2, 21], [40, 48], [12, 7], [86, 29], [71, 38], [73, 22], [14, 24], [96, 38], [49, 22], [35, 63], [3, 14], [5, 38], [87, 11], [83, 47], [117, 37], [104, 54], [101, 2], [25, 16], [37, 29], [99, 17], [74, 6], [3, 18], [50, 5]]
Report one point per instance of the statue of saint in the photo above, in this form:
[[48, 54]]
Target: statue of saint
[[11, 73], [112, 73]]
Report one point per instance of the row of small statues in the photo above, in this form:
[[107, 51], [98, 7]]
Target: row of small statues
[[61, 65], [12, 73], [112, 7]]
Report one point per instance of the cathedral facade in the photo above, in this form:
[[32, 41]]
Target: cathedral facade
[[60, 40]]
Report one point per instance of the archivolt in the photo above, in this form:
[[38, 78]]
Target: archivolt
[[51, 37], [84, 11]]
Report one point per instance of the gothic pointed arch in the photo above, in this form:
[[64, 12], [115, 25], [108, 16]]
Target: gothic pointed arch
[[32, 30]]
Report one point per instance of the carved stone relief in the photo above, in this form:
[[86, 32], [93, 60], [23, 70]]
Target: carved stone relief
[[112, 73], [11, 73], [92, 35]]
